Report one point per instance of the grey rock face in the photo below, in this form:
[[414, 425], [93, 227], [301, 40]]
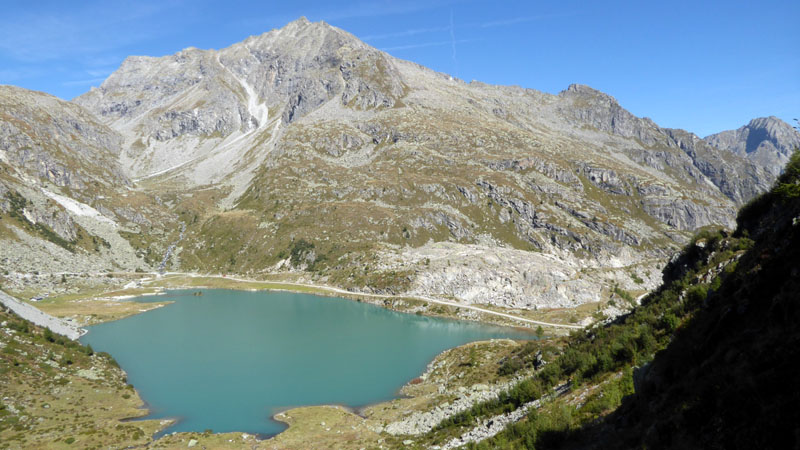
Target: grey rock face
[[56, 141], [767, 141], [61, 182], [181, 108], [607, 180], [739, 179], [601, 111], [309, 133], [686, 215]]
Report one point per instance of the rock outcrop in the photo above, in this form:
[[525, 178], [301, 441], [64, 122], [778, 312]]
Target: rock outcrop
[[306, 134], [60, 184], [766, 141]]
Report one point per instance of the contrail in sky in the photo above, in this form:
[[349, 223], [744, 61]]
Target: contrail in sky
[[428, 44], [453, 41]]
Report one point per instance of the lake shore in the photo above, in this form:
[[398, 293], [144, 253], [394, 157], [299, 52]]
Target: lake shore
[[447, 382], [402, 303], [453, 377], [301, 420], [100, 297]]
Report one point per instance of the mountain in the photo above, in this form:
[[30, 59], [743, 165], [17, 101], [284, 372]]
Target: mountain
[[377, 173], [64, 197], [305, 150], [719, 383], [198, 112], [767, 141], [701, 363]]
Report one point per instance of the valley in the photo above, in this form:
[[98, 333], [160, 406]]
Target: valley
[[305, 161]]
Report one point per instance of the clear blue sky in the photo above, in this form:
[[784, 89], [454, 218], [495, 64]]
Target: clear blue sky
[[701, 66]]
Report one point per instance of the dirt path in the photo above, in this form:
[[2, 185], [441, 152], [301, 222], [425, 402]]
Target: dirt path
[[416, 297]]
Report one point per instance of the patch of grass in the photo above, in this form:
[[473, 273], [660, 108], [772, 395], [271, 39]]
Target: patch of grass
[[41, 377]]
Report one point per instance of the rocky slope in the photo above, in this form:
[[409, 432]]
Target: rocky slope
[[64, 198], [719, 384], [701, 363], [767, 141], [304, 149]]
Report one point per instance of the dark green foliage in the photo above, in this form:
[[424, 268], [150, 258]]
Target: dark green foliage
[[727, 380], [609, 396], [763, 208], [670, 322], [51, 236], [523, 357], [21, 326], [299, 249], [625, 295], [594, 356], [788, 185], [17, 204], [509, 367], [302, 251], [695, 295], [724, 353], [98, 241]]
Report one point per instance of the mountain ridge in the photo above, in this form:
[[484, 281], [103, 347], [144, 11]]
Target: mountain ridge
[[386, 173]]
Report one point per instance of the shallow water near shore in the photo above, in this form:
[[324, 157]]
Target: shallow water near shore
[[228, 360]]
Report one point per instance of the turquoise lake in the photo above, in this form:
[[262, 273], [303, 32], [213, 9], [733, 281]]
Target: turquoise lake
[[229, 360]]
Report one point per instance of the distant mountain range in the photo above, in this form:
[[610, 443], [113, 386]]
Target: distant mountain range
[[304, 149]]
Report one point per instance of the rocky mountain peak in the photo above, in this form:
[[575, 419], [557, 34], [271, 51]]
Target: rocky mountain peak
[[301, 21], [602, 111], [767, 141], [306, 134], [304, 37], [303, 25], [584, 90], [782, 135], [181, 107]]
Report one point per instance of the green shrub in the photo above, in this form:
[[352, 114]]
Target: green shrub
[[788, 184], [696, 295], [595, 355], [509, 366], [669, 322]]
